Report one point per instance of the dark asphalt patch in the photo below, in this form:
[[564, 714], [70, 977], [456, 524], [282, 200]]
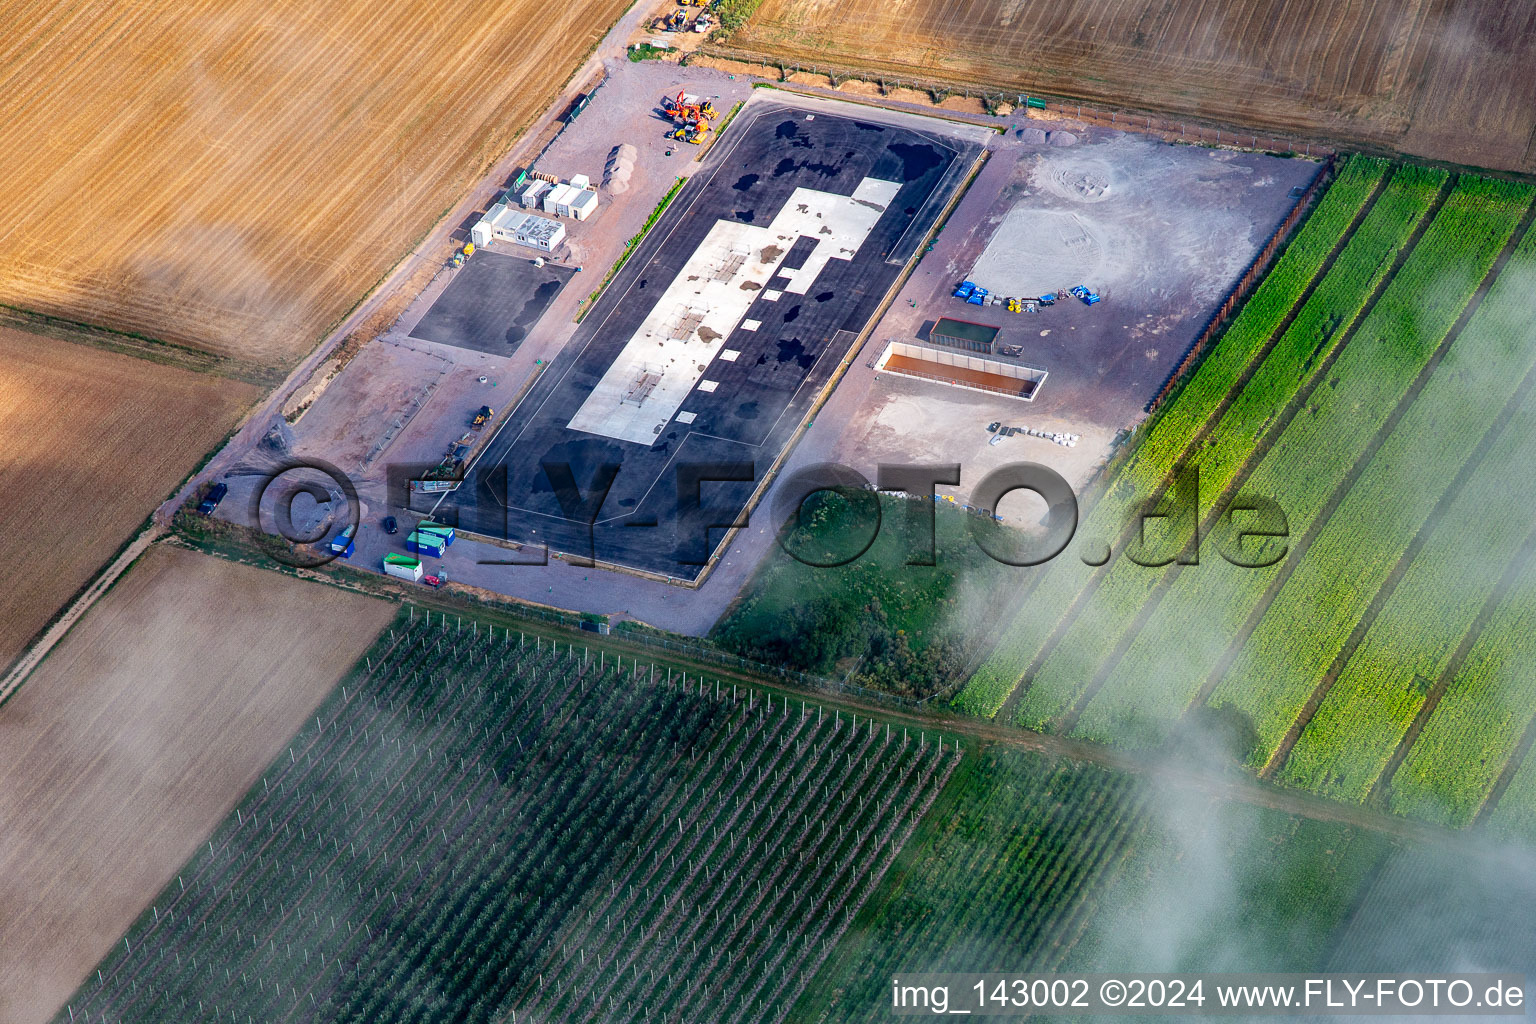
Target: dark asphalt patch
[[492, 303], [670, 501]]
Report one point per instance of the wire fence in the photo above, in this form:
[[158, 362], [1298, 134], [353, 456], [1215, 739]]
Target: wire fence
[[804, 680], [1019, 104]]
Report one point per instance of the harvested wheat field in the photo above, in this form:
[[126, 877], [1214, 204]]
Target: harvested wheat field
[[233, 174], [93, 441], [1436, 78], [136, 736]]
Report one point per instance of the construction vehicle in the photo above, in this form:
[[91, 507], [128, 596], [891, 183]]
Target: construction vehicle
[[482, 417], [695, 133], [685, 109]]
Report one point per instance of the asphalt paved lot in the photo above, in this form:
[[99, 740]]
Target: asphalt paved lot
[[657, 515], [492, 302]]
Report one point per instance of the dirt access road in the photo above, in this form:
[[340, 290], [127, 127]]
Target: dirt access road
[[92, 440], [260, 420], [136, 738], [1432, 78], [230, 177], [478, 198]]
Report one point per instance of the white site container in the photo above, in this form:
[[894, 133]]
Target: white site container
[[554, 199], [533, 195], [583, 204], [404, 568]]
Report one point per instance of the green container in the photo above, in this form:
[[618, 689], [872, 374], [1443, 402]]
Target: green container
[[1034, 101]]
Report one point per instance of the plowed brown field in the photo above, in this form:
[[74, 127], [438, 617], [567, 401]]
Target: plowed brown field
[[1438, 78], [136, 736], [234, 174], [92, 441]]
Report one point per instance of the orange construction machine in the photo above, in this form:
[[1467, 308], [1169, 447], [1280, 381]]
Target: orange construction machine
[[688, 110]]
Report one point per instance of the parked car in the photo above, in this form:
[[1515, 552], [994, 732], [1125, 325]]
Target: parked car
[[211, 502], [390, 526]]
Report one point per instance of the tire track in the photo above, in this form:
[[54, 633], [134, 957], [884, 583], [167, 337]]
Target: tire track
[[1196, 439], [1479, 453], [1297, 401], [1518, 566], [1522, 750], [1357, 469]]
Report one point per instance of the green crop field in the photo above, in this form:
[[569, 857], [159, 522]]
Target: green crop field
[[1377, 388], [1035, 864], [879, 621], [1515, 813], [478, 825], [1460, 903], [1348, 743], [1166, 441], [474, 825], [1005, 881], [1248, 426]]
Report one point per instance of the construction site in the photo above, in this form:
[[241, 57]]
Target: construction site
[[777, 297], [716, 339], [1083, 264]]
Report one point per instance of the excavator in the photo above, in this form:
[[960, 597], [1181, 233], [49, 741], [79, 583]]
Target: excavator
[[682, 111]]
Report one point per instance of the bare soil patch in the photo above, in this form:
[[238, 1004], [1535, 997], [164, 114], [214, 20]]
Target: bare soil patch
[[93, 441], [136, 736]]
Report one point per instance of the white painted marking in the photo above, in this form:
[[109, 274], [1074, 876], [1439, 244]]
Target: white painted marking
[[709, 297]]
